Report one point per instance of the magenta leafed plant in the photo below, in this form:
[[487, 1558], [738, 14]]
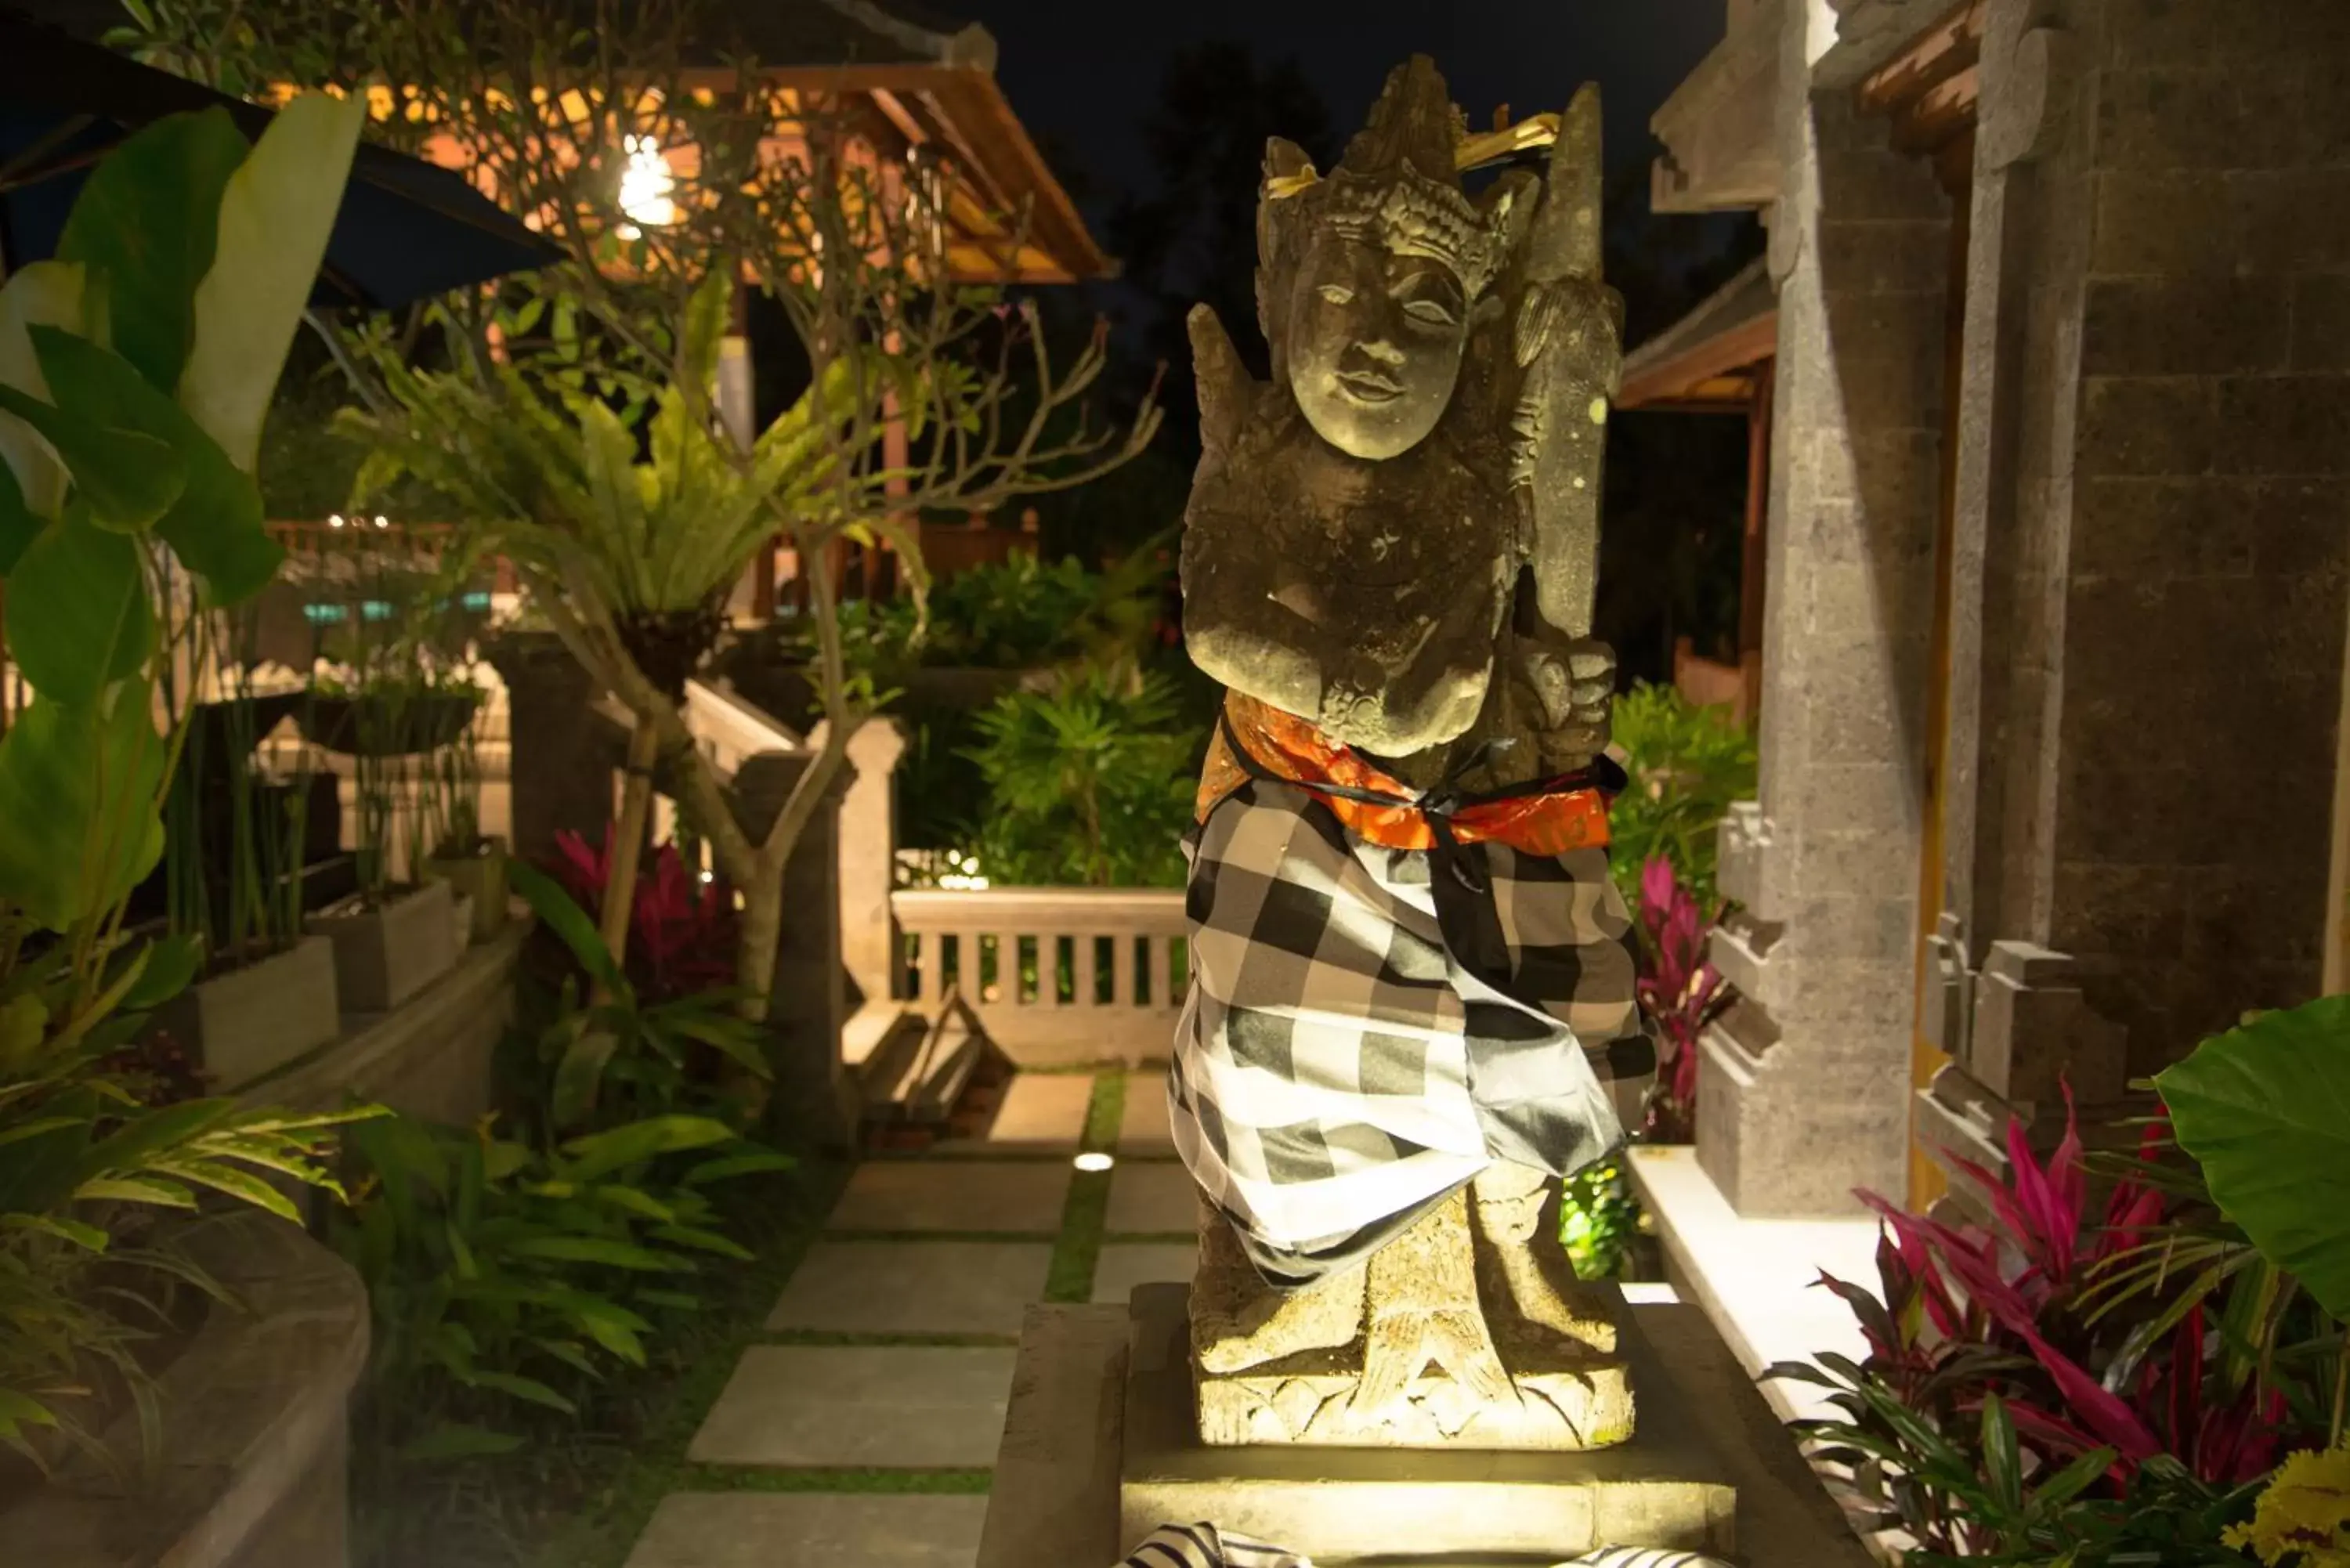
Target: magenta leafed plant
[[680, 927], [1679, 992], [1991, 1346]]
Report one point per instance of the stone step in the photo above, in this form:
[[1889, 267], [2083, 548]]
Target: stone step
[[878, 1043], [771, 1530], [1084, 1473], [919, 1073]]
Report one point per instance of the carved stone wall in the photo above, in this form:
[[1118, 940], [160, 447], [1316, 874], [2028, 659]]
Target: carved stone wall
[[2154, 531], [1803, 1092]]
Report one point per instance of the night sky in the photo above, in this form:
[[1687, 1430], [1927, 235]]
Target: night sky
[[1085, 73]]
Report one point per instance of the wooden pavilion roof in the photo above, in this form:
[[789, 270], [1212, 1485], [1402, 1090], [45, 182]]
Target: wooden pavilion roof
[[1709, 359], [913, 80]]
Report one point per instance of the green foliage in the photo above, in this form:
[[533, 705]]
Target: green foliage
[[617, 1057], [133, 371], [78, 1150], [1979, 1501], [1688, 765], [1088, 783], [555, 475], [1600, 1222], [501, 1276], [2265, 1109], [1012, 615]]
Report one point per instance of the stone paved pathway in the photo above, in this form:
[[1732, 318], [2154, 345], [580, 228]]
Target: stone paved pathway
[[861, 1433]]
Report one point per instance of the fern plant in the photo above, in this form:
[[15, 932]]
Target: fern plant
[[1090, 782], [1688, 765]]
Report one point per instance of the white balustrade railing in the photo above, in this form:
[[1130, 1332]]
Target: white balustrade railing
[[1058, 976]]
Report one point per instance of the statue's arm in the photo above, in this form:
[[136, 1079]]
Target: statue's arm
[[1245, 624]]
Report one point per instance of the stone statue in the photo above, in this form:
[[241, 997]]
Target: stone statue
[[1406, 951]]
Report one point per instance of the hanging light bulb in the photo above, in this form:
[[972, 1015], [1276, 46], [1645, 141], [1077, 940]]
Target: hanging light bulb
[[646, 182]]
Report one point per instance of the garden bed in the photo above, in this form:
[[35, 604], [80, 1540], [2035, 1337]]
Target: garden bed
[[431, 1057], [251, 1471], [578, 1495]]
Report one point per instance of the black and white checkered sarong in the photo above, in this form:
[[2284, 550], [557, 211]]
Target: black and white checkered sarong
[[1340, 1068]]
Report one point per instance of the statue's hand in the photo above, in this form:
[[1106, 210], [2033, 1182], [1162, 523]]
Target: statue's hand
[[1352, 703], [1574, 684]]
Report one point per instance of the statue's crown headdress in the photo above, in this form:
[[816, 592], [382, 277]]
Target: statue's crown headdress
[[1397, 183]]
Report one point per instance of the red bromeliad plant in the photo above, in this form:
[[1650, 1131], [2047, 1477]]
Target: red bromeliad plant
[[681, 929], [1679, 992], [2010, 1331]]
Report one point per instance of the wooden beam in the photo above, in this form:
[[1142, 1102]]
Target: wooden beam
[[1952, 45], [978, 110], [1753, 559], [1943, 116], [1748, 343], [894, 109]]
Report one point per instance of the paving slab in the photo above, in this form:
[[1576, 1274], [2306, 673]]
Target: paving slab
[[914, 1287], [1124, 1265], [954, 1195], [1041, 1113], [1152, 1200], [1143, 1129], [780, 1529], [794, 1407]]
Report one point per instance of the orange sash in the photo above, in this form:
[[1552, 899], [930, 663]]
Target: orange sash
[[1549, 824]]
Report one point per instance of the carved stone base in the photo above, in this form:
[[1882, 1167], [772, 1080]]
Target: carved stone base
[[1562, 1401], [1387, 1500], [1461, 1332]]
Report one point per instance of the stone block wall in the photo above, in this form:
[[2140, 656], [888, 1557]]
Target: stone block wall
[[1804, 1092], [2204, 609], [2161, 506]]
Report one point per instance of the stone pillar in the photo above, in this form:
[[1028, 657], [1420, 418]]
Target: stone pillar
[[868, 858], [2155, 447], [816, 1099], [563, 751], [1803, 1087]]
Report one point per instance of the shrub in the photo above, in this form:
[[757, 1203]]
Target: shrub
[[1089, 782], [1688, 765]]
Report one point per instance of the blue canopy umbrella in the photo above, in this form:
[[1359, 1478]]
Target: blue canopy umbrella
[[407, 229]]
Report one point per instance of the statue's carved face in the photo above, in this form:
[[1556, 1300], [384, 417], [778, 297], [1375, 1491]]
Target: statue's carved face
[[1376, 339]]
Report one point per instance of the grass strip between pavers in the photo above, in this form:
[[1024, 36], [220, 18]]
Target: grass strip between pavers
[[603, 1533], [706, 1348], [1085, 1214]]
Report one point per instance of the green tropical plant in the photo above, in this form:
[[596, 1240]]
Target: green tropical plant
[[2264, 1110], [1600, 1222], [236, 831], [501, 1276], [617, 1057], [932, 394], [135, 369], [1089, 781], [1688, 765], [648, 546]]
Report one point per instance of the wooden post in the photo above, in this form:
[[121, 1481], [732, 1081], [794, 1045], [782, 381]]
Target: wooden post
[[1753, 562]]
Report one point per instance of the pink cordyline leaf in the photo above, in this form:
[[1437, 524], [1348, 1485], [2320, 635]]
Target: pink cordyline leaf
[[1657, 886], [584, 870], [1976, 1265], [2103, 1412], [1973, 1262], [2061, 1438]]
